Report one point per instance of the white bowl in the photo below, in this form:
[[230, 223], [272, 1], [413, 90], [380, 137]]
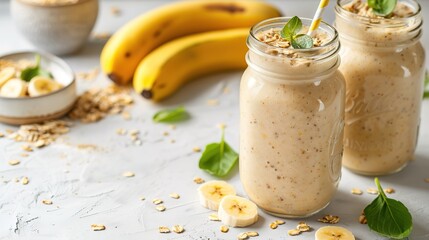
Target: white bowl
[[26, 110], [58, 29]]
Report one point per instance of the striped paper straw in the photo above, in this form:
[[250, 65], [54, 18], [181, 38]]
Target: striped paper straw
[[318, 16]]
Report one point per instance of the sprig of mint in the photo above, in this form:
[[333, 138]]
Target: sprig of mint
[[218, 159], [382, 7], [290, 32], [388, 217], [426, 86], [31, 72], [171, 115]]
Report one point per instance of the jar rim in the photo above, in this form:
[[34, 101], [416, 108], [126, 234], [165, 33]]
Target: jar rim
[[328, 49], [384, 22]]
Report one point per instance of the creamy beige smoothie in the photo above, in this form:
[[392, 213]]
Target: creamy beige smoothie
[[383, 64], [291, 122]]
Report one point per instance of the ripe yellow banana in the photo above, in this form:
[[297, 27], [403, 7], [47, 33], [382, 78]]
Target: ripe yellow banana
[[127, 47], [170, 66]]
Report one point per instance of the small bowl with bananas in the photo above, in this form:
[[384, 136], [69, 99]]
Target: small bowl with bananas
[[35, 87]]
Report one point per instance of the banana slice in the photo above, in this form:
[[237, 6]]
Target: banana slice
[[334, 233], [236, 211], [212, 192], [14, 88], [6, 74], [42, 85]]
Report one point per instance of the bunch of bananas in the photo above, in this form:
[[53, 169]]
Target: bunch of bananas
[[166, 47]]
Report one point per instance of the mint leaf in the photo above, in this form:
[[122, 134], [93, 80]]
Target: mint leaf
[[388, 217], [382, 7], [302, 41], [31, 72], [171, 115], [292, 27], [426, 86], [218, 158]]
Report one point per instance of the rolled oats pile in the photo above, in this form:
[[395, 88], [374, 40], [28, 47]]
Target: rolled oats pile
[[96, 104], [41, 135]]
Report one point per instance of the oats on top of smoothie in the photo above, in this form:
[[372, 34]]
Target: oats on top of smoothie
[[362, 8]]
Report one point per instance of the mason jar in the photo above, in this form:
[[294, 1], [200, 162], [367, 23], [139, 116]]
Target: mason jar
[[383, 63], [291, 123]]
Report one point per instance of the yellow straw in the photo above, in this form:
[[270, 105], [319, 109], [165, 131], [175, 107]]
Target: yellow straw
[[318, 16]]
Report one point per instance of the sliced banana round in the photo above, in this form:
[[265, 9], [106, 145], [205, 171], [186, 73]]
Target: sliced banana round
[[212, 192], [236, 211], [6, 74], [42, 85], [14, 88], [334, 233]]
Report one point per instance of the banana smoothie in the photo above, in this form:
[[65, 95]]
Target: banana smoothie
[[383, 64], [291, 121]]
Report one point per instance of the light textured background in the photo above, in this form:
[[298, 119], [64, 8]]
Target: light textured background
[[87, 187]]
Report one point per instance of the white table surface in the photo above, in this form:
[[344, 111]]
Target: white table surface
[[87, 186]]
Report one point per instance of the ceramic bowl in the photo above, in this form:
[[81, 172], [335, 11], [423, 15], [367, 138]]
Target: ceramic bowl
[[26, 110], [58, 29]]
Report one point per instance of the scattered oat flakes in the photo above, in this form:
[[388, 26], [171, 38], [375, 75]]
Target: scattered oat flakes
[[372, 191], [293, 232], [47, 202], [356, 191], [172, 141], [329, 219], [98, 227], [128, 174], [134, 132], [242, 236], [121, 131], [115, 11], [196, 149], [303, 227], [165, 133], [362, 218], [212, 102], [95, 104], [224, 229], [214, 217], [172, 127], [9, 131], [25, 181], [1, 135], [26, 148], [252, 234], [163, 229], [160, 208], [91, 75], [279, 222], [142, 198], [198, 180], [126, 115], [14, 162], [178, 229], [174, 195], [157, 201], [273, 225], [40, 143], [389, 190], [23, 154]]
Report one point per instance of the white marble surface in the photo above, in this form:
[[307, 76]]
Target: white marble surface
[[86, 186]]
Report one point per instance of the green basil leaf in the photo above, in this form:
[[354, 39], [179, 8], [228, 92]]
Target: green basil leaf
[[171, 115], [426, 86], [292, 27], [218, 159], [388, 217], [302, 41], [382, 7], [31, 72]]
